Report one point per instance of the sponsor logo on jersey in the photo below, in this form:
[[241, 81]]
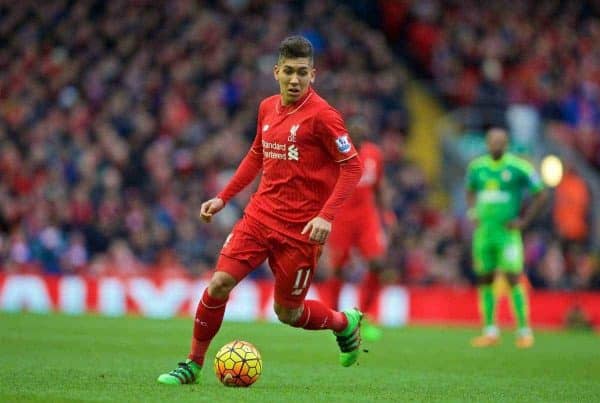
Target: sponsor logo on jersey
[[343, 144], [265, 128], [493, 196], [278, 151], [293, 153]]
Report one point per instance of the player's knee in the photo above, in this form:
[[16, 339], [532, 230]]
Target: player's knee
[[221, 284], [287, 315]]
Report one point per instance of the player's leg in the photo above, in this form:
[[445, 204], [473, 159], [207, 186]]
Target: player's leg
[[336, 255], [372, 246], [512, 265], [240, 254], [293, 263], [484, 263], [332, 288], [207, 322]]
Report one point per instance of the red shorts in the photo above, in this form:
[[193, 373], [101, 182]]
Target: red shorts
[[292, 261], [364, 233]]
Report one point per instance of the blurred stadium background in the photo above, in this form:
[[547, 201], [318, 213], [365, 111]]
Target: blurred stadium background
[[118, 118]]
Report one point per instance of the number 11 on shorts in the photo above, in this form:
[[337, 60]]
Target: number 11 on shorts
[[302, 276]]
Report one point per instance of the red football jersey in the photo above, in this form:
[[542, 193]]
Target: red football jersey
[[363, 200], [301, 147]]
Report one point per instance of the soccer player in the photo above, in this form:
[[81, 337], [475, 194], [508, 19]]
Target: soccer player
[[309, 167], [358, 225], [495, 187]]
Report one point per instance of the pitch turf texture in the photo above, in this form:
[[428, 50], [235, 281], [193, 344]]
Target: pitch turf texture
[[86, 358]]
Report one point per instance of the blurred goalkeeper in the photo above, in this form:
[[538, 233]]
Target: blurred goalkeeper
[[496, 183]]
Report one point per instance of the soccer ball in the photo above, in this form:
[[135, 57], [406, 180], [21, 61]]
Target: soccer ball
[[238, 363]]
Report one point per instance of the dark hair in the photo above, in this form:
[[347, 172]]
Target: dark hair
[[294, 47]]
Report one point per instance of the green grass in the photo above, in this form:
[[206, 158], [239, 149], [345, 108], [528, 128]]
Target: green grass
[[88, 358]]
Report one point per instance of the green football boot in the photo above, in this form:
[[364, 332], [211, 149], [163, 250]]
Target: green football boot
[[186, 372], [348, 340]]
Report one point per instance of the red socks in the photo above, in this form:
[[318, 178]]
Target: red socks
[[368, 289], [331, 292], [317, 316], [209, 316]]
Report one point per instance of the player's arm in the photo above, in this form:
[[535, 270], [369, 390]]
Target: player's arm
[[330, 129], [532, 210], [471, 194], [320, 226], [539, 198], [383, 202], [248, 170], [244, 175]]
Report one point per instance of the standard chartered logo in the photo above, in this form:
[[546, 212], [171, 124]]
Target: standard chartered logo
[[293, 152], [279, 151]]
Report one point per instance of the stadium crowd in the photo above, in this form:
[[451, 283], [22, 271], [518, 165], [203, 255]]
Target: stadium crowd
[[117, 119], [492, 54]]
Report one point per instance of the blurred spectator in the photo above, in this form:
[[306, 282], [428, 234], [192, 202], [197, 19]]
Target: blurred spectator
[[571, 208]]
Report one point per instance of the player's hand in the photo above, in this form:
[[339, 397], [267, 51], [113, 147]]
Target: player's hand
[[210, 207], [517, 224], [318, 229]]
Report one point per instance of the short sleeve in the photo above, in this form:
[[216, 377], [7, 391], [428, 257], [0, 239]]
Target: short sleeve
[[330, 128]]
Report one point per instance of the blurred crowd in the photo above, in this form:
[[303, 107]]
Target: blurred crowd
[[492, 54], [117, 119]]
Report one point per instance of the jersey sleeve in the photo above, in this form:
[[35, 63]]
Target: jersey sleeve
[[249, 167], [330, 128], [257, 143]]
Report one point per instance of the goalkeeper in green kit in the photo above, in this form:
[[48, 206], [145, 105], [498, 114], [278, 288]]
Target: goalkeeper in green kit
[[496, 183]]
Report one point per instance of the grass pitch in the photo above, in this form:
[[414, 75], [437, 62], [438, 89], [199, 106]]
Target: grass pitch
[[58, 358]]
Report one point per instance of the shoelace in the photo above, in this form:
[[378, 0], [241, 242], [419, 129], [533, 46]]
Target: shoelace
[[184, 373], [349, 343]]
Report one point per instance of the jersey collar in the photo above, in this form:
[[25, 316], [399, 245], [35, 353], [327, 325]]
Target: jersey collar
[[497, 163]]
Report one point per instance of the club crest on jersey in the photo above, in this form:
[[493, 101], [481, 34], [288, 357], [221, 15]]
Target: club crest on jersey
[[343, 144], [506, 175], [293, 131], [265, 128]]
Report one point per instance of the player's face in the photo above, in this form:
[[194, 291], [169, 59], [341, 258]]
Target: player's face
[[497, 141], [294, 77]]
